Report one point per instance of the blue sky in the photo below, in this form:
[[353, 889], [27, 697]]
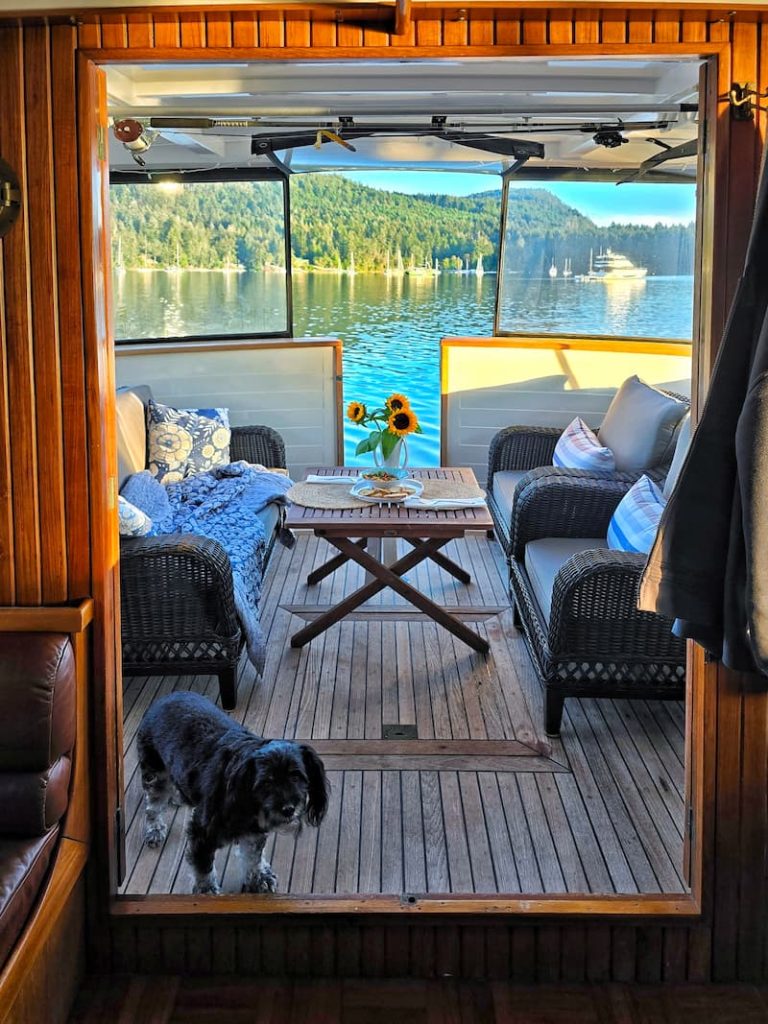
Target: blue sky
[[603, 203]]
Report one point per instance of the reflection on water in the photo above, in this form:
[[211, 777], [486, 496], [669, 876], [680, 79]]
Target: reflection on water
[[391, 326]]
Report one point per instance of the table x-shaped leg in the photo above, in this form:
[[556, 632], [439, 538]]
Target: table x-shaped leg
[[445, 563], [389, 576]]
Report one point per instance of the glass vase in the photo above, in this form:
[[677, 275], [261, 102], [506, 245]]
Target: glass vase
[[397, 458]]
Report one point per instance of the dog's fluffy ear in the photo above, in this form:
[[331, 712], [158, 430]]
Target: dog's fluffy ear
[[317, 797]]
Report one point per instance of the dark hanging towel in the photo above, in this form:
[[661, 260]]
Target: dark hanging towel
[[708, 569]]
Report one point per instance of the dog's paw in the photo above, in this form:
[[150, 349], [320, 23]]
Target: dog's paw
[[155, 834], [265, 880], [206, 887]]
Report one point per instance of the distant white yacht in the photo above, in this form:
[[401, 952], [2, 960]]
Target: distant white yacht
[[611, 266]]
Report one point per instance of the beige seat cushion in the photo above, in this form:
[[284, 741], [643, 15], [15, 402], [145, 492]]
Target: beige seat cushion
[[640, 426], [503, 489], [131, 435], [543, 559]]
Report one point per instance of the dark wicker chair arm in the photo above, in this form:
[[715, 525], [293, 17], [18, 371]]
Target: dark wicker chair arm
[[553, 502], [594, 612], [176, 586], [258, 445], [521, 448]]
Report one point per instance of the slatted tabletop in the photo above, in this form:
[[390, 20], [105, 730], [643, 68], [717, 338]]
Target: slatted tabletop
[[392, 520]]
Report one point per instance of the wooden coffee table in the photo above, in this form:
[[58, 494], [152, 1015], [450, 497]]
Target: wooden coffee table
[[426, 530]]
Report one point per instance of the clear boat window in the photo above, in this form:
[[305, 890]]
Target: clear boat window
[[597, 259], [203, 259]]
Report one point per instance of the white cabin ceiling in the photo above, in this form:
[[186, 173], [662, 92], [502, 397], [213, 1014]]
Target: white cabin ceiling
[[553, 102]]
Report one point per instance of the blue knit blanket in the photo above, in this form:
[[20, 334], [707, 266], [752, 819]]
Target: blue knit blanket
[[222, 504]]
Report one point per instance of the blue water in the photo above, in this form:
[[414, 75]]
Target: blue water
[[391, 327]]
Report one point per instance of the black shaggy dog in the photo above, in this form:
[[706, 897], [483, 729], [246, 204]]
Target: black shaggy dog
[[241, 787]]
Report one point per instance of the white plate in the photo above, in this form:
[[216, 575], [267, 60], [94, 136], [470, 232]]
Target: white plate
[[414, 487]]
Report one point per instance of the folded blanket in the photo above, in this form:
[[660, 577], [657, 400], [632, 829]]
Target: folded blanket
[[221, 504]]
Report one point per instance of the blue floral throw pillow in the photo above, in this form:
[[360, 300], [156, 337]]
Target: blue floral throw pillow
[[132, 521], [182, 442]]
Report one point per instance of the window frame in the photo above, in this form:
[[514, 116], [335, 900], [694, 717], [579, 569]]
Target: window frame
[[501, 332], [219, 177]]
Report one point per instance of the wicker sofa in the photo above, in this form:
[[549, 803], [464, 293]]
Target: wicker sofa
[[177, 598]]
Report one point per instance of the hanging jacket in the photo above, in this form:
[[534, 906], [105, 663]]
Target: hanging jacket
[[708, 568]]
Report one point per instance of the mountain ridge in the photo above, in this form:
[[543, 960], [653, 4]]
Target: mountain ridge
[[335, 221]]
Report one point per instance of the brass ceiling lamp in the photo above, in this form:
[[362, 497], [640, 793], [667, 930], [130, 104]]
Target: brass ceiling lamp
[[10, 198]]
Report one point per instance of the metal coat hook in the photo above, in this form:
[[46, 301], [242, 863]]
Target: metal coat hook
[[741, 97], [10, 198]]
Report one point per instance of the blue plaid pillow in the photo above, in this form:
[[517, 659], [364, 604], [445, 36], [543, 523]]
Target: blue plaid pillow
[[182, 442], [579, 448], [634, 524]]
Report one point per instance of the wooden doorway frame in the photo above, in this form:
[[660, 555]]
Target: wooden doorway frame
[[701, 704]]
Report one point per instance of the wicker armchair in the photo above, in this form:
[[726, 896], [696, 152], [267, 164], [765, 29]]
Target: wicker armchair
[[576, 601], [515, 451], [177, 598]]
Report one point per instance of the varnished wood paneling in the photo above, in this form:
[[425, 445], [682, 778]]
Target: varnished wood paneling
[[17, 282], [167, 32], [141, 29], [45, 320], [192, 29], [218, 28], [245, 28], [70, 309]]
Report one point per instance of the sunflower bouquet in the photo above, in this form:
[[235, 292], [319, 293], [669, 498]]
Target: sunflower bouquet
[[391, 424]]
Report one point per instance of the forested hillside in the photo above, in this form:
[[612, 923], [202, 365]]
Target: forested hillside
[[335, 221]]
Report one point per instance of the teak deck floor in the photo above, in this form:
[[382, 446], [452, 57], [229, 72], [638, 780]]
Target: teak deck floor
[[482, 801]]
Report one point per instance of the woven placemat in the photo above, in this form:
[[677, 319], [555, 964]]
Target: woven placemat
[[332, 496]]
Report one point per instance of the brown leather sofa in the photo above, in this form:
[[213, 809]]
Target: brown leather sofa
[[37, 734]]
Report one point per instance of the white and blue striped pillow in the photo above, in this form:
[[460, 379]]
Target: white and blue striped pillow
[[634, 524], [579, 448]]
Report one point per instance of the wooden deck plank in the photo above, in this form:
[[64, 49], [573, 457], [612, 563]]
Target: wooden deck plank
[[482, 800], [438, 878], [414, 837]]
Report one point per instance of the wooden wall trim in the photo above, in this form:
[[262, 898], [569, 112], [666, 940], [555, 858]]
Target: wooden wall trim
[[41, 977], [66, 619]]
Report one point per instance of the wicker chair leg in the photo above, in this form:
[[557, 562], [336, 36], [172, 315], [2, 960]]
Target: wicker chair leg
[[553, 712], [228, 688]]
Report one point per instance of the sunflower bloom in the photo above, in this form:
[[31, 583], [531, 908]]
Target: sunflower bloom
[[356, 411], [396, 402], [402, 422]]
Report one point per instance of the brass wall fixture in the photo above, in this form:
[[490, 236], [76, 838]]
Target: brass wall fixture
[[10, 198]]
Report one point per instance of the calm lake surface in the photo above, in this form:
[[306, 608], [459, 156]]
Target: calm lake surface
[[391, 327]]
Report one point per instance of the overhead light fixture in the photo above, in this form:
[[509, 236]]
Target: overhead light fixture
[[134, 137], [611, 138]]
